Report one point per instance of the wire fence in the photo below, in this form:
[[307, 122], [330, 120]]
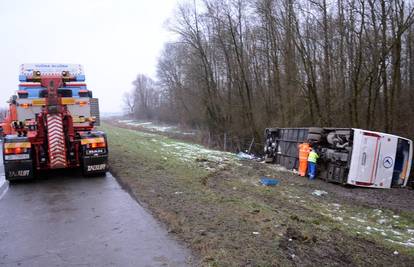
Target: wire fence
[[227, 142]]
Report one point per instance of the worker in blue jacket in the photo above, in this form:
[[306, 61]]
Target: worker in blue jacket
[[312, 160]]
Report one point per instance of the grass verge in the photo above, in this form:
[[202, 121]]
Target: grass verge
[[213, 202]]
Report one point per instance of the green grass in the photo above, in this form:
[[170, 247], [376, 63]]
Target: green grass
[[152, 150], [194, 189]]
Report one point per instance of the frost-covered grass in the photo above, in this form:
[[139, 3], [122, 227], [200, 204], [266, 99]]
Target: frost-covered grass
[[174, 154], [395, 230], [384, 225], [151, 126], [191, 153], [199, 190]]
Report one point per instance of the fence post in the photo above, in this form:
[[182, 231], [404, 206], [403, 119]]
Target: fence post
[[225, 141], [251, 144], [209, 139]]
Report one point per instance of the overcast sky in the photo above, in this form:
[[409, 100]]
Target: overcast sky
[[113, 39]]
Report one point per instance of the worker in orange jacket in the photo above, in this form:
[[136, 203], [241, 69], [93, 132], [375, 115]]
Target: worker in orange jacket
[[304, 150]]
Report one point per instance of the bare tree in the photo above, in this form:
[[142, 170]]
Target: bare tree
[[241, 65]]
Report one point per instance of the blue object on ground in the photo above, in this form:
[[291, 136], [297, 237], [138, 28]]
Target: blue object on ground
[[269, 181]]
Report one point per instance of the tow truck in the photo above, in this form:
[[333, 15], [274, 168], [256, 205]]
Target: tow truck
[[51, 124]]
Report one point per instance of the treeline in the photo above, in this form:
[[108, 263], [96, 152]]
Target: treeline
[[239, 66]]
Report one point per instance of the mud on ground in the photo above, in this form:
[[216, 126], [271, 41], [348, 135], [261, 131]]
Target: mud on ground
[[216, 205]]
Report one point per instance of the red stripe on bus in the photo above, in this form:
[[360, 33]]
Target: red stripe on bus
[[363, 183], [372, 134], [375, 160]]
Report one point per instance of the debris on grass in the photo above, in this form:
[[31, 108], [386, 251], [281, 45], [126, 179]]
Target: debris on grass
[[269, 181], [245, 156], [319, 193]]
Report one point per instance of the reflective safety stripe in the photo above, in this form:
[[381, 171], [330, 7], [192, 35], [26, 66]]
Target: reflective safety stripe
[[92, 140], [19, 144], [304, 150], [56, 140], [313, 157]]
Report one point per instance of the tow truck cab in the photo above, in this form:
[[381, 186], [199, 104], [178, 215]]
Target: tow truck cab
[[51, 123]]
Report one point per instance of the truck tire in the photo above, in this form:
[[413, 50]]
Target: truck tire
[[314, 137], [315, 130], [96, 174]]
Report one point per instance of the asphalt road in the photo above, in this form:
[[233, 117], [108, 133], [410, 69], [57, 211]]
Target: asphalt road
[[67, 220]]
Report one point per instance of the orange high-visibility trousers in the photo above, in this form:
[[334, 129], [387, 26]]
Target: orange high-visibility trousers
[[304, 150]]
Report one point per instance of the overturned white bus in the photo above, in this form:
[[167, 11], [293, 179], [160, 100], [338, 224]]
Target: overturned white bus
[[347, 155]]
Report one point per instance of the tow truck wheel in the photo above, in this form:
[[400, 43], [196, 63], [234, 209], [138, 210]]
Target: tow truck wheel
[[95, 174], [10, 180]]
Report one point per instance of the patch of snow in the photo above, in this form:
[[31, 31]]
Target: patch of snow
[[377, 229], [149, 125], [245, 156], [319, 193], [382, 221], [405, 244], [125, 121], [395, 232], [378, 211], [138, 123], [358, 219]]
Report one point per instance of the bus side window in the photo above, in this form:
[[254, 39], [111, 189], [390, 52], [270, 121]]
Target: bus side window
[[401, 162]]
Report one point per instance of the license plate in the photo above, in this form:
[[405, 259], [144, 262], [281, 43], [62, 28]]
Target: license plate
[[17, 157]]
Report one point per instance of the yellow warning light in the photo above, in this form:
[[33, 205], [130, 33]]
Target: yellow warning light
[[39, 102], [68, 101]]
